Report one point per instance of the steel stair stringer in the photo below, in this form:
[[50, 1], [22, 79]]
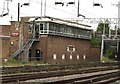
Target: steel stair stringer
[[26, 47]]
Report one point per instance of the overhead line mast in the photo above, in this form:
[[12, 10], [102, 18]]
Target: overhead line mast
[[5, 7]]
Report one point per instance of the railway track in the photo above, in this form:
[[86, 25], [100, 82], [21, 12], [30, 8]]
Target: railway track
[[59, 73], [87, 78], [46, 68]]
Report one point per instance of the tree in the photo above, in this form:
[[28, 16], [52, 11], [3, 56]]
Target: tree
[[96, 38], [95, 41], [110, 53], [101, 27]]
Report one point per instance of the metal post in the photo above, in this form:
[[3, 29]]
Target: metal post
[[102, 47], [41, 8], [104, 27], [110, 29], [18, 11], [19, 30], [102, 44], [45, 9], [117, 46], [78, 9]]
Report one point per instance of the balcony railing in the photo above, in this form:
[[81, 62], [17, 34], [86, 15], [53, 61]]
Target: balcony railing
[[70, 35]]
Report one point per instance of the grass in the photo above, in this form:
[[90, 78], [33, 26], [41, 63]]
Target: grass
[[13, 62], [106, 59]]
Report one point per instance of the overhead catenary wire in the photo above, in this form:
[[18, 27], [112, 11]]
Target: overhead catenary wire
[[64, 10], [37, 2], [54, 8], [5, 7], [12, 11], [8, 7], [87, 12]]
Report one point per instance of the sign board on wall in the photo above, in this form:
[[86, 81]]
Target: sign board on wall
[[15, 34]]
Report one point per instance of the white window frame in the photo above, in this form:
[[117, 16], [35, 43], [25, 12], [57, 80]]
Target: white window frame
[[71, 57], [63, 56], [54, 56], [84, 56], [69, 49], [78, 57], [40, 31]]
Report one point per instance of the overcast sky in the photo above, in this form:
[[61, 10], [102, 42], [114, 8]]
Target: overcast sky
[[86, 8]]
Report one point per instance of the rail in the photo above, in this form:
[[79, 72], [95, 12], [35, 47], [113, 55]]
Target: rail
[[84, 75], [70, 35], [26, 46], [41, 68]]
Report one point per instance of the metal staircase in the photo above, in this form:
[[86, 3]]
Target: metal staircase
[[26, 47]]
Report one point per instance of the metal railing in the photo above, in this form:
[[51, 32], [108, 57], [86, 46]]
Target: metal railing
[[26, 47], [70, 35]]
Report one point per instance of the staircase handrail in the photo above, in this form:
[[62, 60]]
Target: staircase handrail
[[23, 48], [29, 39]]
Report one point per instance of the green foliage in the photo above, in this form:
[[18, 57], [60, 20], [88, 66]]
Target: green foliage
[[106, 59], [110, 52], [95, 41], [13, 62], [101, 26]]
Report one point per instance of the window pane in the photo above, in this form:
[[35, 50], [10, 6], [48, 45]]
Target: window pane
[[36, 25], [54, 56], [78, 57], [70, 57], [63, 56], [41, 26], [45, 27]]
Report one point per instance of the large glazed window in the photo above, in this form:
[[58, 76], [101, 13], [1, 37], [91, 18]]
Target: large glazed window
[[46, 27], [43, 27], [69, 31]]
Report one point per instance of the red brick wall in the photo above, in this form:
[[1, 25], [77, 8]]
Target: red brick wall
[[5, 48], [24, 26], [5, 42], [17, 27], [50, 45], [41, 45], [14, 39], [94, 54], [58, 45]]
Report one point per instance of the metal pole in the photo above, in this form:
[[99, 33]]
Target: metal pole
[[117, 46], [110, 29], [102, 47], [102, 44], [19, 30], [41, 8], [78, 9], [18, 11], [104, 27], [45, 9]]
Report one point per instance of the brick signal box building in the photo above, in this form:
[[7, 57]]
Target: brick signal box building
[[52, 40]]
